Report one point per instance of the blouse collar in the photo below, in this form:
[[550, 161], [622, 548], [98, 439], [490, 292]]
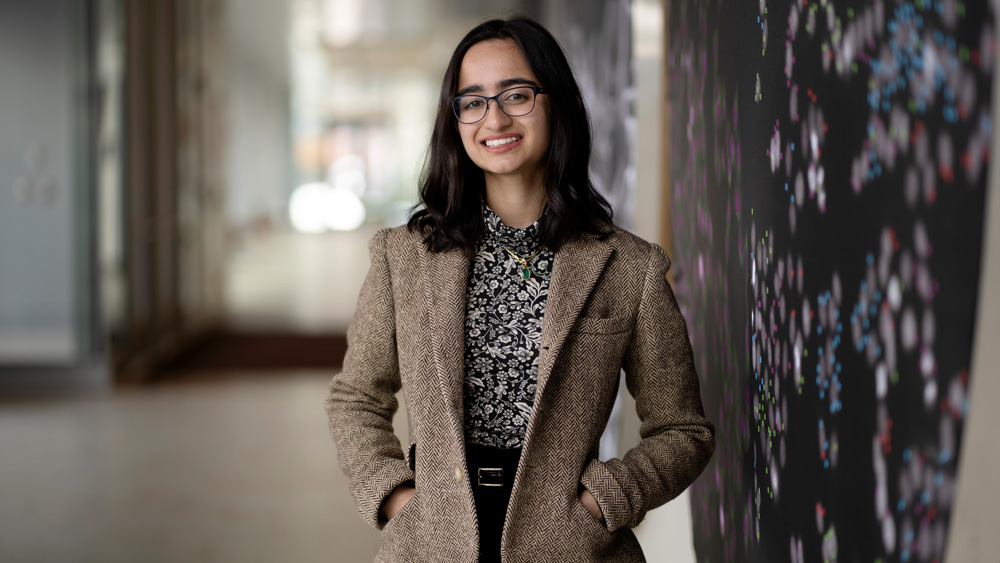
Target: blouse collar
[[523, 239]]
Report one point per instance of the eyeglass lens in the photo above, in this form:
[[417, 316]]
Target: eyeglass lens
[[514, 102]]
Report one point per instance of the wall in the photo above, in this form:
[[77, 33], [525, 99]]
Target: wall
[[829, 169], [40, 179], [257, 121], [597, 39], [973, 536]]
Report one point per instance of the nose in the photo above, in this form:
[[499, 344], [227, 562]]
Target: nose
[[495, 118]]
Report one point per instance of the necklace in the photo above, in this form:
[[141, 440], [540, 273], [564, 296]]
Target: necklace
[[525, 270]]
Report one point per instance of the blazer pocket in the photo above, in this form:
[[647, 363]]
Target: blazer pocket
[[588, 526], [602, 325], [399, 518]]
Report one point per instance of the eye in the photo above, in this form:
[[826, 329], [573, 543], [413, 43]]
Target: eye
[[515, 97], [471, 103]]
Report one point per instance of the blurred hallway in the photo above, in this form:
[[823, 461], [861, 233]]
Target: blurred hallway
[[207, 467], [298, 283]]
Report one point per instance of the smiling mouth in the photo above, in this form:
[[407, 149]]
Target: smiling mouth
[[494, 143]]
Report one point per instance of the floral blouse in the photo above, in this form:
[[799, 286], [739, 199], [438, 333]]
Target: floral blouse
[[503, 332]]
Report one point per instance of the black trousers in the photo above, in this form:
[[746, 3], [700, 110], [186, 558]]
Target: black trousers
[[491, 501]]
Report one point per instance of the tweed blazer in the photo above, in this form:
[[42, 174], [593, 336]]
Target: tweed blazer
[[609, 307]]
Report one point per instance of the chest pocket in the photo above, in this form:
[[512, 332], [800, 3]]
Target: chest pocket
[[602, 325]]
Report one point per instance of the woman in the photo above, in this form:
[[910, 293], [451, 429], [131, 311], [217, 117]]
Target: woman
[[505, 310]]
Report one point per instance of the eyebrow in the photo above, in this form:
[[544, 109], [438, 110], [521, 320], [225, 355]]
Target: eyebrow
[[502, 85]]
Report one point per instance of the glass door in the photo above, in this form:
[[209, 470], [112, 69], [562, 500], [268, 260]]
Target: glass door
[[46, 314]]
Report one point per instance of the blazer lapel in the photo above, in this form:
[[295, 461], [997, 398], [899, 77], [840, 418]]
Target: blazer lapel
[[576, 268], [445, 278]]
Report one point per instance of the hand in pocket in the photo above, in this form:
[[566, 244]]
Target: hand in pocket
[[590, 503]]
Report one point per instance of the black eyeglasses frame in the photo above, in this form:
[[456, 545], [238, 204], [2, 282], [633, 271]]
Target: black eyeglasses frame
[[536, 90]]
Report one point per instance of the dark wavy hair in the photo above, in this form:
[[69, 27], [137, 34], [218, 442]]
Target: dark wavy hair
[[452, 187]]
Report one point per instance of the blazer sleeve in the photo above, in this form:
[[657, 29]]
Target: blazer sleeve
[[362, 397], [677, 439]]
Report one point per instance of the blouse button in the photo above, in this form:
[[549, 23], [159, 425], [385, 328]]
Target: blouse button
[[458, 474]]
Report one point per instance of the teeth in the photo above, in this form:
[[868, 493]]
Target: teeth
[[494, 143]]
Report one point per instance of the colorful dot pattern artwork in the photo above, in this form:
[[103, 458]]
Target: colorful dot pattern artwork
[[828, 174]]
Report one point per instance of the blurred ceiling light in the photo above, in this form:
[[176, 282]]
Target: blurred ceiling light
[[342, 21], [351, 180], [348, 172], [305, 207], [344, 211], [317, 207]]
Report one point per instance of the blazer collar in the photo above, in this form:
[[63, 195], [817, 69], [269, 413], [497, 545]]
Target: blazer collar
[[576, 268]]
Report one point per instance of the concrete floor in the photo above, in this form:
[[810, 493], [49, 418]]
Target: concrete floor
[[223, 467]]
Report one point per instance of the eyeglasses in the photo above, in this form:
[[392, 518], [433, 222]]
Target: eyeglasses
[[515, 102]]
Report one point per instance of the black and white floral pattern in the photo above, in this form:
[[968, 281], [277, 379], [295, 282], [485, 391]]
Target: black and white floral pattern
[[503, 333]]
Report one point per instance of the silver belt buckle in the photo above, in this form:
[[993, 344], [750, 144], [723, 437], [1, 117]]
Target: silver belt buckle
[[490, 476]]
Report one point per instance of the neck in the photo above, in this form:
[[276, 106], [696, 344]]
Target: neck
[[518, 204]]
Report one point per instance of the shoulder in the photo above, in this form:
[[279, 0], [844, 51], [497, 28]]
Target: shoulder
[[636, 251], [396, 243]]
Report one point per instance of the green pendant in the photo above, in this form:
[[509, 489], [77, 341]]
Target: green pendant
[[525, 274]]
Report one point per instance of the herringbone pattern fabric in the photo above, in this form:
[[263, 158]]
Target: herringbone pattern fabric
[[609, 307]]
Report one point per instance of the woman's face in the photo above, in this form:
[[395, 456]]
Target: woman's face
[[521, 143]]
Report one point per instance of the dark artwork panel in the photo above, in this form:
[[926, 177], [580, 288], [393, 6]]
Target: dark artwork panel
[[829, 167], [596, 36]]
